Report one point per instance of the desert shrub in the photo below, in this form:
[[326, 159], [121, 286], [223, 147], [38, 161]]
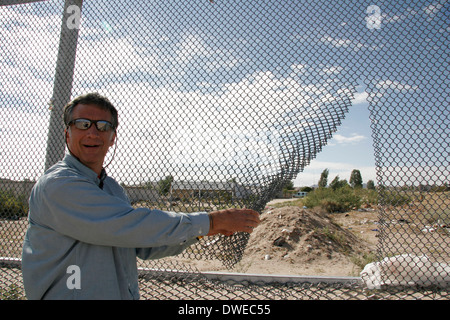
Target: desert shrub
[[367, 196], [334, 200], [345, 198], [333, 206], [12, 206], [393, 197]]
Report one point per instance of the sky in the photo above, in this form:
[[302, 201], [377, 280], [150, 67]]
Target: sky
[[206, 91], [350, 148]]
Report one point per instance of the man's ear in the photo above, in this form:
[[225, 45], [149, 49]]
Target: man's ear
[[66, 131]]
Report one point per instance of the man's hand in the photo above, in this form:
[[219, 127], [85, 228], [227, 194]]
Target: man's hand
[[230, 221]]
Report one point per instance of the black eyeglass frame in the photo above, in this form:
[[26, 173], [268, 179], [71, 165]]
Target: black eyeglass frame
[[107, 126]]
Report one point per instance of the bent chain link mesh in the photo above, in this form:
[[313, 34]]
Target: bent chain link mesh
[[220, 104]]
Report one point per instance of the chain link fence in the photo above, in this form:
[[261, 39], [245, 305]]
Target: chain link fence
[[220, 104]]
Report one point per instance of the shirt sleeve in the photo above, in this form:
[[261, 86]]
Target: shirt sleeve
[[77, 208], [164, 251]]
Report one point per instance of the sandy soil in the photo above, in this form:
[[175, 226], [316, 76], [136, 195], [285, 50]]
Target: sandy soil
[[294, 241]]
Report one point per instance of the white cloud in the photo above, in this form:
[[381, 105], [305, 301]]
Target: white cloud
[[23, 143], [29, 58], [166, 128], [355, 138], [191, 45], [432, 9], [116, 56], [395, 85], [234, 130], [346, 43], [337, 42], [359, 97], [332, 70], [244, 128]]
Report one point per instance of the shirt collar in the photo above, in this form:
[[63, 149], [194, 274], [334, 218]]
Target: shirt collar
[[72, 161]]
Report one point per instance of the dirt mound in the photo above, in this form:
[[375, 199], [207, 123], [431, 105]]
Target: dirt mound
[[302, 237], [295, 241]]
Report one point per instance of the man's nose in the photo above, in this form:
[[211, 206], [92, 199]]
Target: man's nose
[[93, 130]]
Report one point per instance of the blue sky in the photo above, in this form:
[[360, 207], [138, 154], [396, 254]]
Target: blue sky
[[247, 67]]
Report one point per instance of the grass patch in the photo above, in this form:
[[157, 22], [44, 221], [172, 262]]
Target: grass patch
[[291, 203], [338, 200]]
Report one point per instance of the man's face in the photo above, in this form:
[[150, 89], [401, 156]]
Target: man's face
[[91, 145]]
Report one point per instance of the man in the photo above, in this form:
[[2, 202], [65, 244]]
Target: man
[[84, 236]]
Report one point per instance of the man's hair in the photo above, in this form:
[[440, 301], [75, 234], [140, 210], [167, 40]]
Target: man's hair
[[91, 98]]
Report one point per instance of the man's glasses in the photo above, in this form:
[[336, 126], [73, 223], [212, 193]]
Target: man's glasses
[[84, 124]]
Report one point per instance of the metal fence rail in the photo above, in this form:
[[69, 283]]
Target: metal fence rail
[[220, 104]]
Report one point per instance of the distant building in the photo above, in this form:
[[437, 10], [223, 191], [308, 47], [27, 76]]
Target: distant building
[[300, 194], [207, 190]]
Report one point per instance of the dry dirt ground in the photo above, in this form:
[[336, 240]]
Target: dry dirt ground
[[294, 241]]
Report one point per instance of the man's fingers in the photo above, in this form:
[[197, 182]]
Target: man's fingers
[[253, 217], [229, 221], [251, 214], [250, 220]]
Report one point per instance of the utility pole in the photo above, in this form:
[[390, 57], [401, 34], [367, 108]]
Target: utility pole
[[62, 87]]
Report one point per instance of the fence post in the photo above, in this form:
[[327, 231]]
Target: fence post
[[62, 87]]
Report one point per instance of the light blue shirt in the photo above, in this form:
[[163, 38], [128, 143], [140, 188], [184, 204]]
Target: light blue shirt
[[74, 222]]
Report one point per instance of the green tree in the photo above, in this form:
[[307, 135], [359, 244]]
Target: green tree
[[337, 183], [288, 188], [164, 185], [356, 179], [323, 181], [370, 185], [289, 185]]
